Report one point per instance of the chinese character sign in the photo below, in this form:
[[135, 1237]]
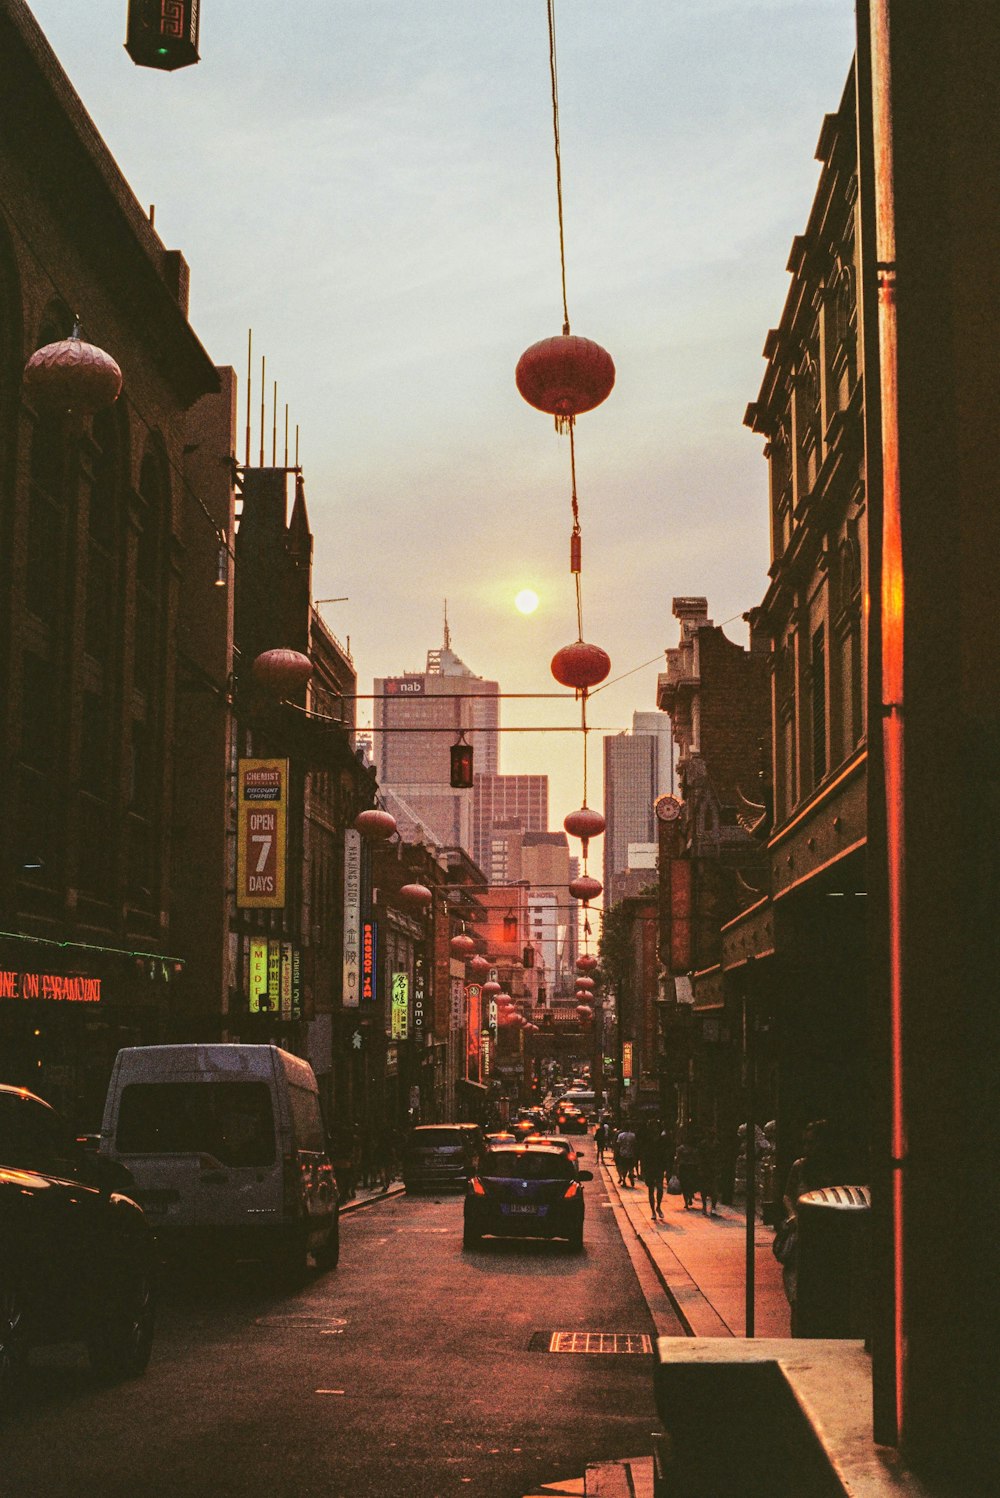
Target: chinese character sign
[[400, 1012], [352, 918], [473, 1036], [261, 812], [419, 994]]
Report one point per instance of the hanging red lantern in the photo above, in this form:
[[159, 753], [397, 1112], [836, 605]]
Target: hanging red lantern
[[585, 985], [463, 944], [587, 963], [580, 665], [584, 824], [417, 895], [585, 887], [281, 672], [530, 1028], [491, 989], [479, 966], [584, 1011], [72, 376], [565, 375], [375, 823]]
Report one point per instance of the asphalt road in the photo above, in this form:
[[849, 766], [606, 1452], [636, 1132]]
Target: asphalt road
[[410, 1370]]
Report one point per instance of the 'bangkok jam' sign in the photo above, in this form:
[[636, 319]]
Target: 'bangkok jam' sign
[[70, 988]]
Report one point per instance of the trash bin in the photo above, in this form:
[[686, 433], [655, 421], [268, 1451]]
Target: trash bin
[[834, 1262]]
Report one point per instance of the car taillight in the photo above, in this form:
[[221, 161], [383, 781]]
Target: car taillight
[[572, 1189], [476, 1186]]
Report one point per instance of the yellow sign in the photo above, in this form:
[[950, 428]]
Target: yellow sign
[[258, 975], [261, 819], [400, 1013], [626, 1060]]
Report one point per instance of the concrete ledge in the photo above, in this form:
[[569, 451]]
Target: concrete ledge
[[772, 1418]]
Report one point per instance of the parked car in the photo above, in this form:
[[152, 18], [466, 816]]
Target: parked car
[[531, 1191], [228, 1149], [77, 1257], [439, 1155]]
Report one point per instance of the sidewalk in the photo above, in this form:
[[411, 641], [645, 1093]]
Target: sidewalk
[[701, 1262]]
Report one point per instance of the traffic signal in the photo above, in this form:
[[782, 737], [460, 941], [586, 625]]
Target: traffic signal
[[162, 33], [461, 767]]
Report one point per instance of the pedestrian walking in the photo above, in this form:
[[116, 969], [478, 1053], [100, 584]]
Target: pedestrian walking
[[686, 1166], [601, 1140], [709, 1171], [625, 1153], [656, 1158]]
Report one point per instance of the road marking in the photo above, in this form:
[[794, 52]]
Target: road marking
[[328, 1391]]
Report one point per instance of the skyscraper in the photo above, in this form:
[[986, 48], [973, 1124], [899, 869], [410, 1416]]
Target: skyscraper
[[418, 717], [636, 771], [512, 800]]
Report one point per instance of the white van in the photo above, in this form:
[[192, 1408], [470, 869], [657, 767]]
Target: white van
[[227, 1147]]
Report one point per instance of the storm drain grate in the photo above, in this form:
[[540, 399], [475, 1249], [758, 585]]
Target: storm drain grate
[[593, 1342]]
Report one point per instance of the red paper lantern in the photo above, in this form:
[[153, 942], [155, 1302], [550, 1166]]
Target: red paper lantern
[[72, 376], [580, 665], [565, 375], [530, 1028], [375, 823], [585, 888], [417, 895], [479, 966], [585, 985], [463, 944], [584, 1011], [585, 823], [281, 672], [491, 989], [587, 963]]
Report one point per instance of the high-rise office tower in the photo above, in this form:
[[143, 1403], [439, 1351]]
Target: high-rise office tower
[[500, 803], [636, 771], [418, 717]]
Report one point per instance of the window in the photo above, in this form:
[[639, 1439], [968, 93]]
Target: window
[[307, 1120], [232, 1121], [34, 1137]]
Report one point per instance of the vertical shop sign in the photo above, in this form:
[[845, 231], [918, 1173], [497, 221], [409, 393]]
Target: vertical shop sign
[[258, 975], [352, 918], [457, 1004], [627, 1063], [274, 977], [400, 1012], [261, 820], [369, 968], [473, 1041], [680, 915], [297, 982], [286, 980], [487, 1054], [419, 994]]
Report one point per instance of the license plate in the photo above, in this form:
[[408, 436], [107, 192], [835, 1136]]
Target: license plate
[[520, 1209]]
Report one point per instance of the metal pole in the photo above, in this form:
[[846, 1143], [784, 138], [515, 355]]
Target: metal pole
[[750, 1053]]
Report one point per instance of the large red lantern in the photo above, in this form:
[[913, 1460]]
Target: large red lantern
[[584, 1011], [580, 665], [587, 963], [565, 375], [416, 895], [375, 823], [281, 672], [585, 985], [72, 376], [585, 888], [584, 824], [479, 966], [463, 944], [491, 989]]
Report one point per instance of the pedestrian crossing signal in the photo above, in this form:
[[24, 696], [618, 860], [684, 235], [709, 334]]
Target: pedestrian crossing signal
[[162, 33], [461, 767]]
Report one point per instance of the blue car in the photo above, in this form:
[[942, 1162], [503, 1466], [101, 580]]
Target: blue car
[[532, 1191]]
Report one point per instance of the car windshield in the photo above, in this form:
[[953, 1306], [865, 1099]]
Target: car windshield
[[435, 1138], [233, 1121], [527, 1165]]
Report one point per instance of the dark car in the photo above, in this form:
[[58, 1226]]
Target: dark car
[[528, 1191], [569, 1119], [77, 1258], [554, 1141], [441, 1155]]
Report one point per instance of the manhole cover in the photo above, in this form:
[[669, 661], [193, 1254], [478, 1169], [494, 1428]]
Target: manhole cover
[[615, 1343], [300, 1318]]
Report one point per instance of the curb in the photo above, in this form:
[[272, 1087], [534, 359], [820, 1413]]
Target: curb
[[357, 1202]]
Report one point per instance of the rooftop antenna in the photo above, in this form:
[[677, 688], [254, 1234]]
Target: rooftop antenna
[[447, 631], [249, 382], [263, 398]]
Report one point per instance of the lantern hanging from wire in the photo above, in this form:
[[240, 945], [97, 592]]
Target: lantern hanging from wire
[[585, 985], [417, 896], [479, 966], [491, 989], [584, 824], [375, 823], [580, 665], [584, 1011], [585, 888], [281, 672], [71, 375], [586, 962], [463, 945], [565, 375]]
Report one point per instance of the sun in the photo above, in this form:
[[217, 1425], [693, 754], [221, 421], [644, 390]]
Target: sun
[[526, 601]]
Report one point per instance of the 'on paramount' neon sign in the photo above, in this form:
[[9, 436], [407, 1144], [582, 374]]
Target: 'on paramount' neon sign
[[69, 989]]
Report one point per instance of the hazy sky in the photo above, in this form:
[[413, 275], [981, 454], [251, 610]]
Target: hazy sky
[[370, 186]]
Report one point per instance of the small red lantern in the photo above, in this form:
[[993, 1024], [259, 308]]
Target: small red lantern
[[72, 376], [584, 1011], [417, 895], [375, 823], [585, 985], [584, 824], [530, 1028], [281, 672], [587, 963], [585, 888], [491, 989], [463, 944], [565, 375], [580, 665], [479, 966]]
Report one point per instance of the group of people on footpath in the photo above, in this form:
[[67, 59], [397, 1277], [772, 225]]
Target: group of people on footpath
[[691, 1167]]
